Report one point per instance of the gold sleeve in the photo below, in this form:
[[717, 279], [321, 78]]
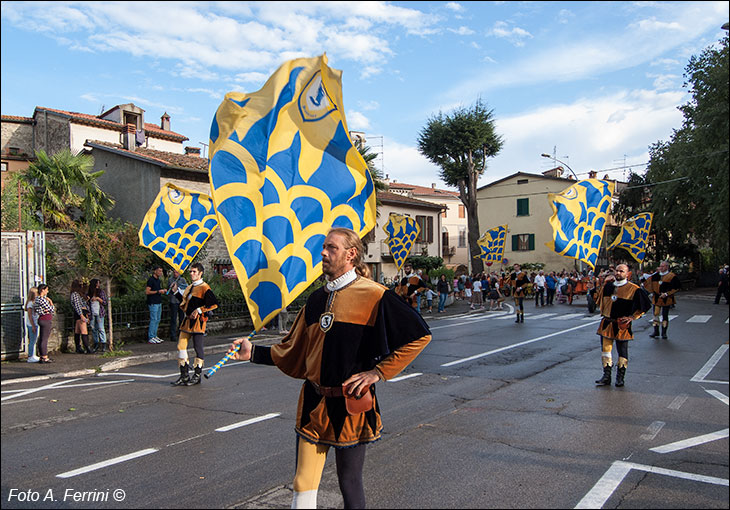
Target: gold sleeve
[[399, 359]]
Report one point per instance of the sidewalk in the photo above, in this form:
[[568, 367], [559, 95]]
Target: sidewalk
[[74, 365]]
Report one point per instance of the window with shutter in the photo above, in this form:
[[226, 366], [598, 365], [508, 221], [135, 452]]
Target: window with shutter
[[523, 207]]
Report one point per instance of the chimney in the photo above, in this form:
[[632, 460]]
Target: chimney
[[592, 174], [433, 185], [165, 122], [192, 151], [128, 136]]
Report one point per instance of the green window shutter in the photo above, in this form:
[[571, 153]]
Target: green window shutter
[[515, 243], [523, 207], [531, 242]]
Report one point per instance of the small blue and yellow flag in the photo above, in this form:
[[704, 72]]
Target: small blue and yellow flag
[[402, 233], [634, 234], [177, 225], [579, 219], [492, 244], [283, 171]]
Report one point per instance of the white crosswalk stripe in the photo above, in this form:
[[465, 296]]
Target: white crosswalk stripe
[[699, 318], [541, 316], [567, 316]]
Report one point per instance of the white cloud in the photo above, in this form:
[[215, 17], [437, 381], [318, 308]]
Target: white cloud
[[462, 30], [356, 121], [514, 35], [405, 164], [368, 105], [454, 6]]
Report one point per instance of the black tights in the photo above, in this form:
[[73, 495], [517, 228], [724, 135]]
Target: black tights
[[350, 462]]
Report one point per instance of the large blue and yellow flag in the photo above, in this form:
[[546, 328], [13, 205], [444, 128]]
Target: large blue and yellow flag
[[579, 219], [633, 236], [402, 233], [283, 171], [177, 225], [492, 244]]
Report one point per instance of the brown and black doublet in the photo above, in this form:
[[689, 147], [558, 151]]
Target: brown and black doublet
[[659, 284], [197, 296], [373, 328], [628, 300], [518, 282]]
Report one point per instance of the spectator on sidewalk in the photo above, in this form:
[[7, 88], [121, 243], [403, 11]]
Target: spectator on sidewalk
[[430, 294], [154, 292], [443, 289], [31, 324], [44, 309], [176, 286], [97, 303], [539, 283], [722, 286], [476, 294], [81, 317], [551, 283]]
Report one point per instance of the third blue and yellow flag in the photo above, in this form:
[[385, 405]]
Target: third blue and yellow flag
[[283, 171], [402, 233], [177, 225], [579, 219], [633, 236], [492, 244]]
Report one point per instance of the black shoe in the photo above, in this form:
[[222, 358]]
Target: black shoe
[[620, 373], [655, 334], [184, 376], [606, 379], [195, 379], [517, 319]]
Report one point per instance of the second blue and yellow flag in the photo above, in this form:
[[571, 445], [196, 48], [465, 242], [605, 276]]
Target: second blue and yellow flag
[[283, 171], [634, 234], [402, 233], [177, 225], [579, 219], [492, 244]]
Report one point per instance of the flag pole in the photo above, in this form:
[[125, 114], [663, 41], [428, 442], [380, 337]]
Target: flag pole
[[227, 357]]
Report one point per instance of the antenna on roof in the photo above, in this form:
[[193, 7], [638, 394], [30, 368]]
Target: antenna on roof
[[103, 107]]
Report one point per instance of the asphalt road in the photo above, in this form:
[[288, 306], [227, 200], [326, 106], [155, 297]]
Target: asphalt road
[[493, 414]]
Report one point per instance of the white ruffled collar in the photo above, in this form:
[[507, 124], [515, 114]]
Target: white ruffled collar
[[197, 282], [341, 281], [664, 273], [620, 283]]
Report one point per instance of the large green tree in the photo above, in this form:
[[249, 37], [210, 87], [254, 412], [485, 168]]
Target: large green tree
[[60, 186], [688, 175], [459, 143]]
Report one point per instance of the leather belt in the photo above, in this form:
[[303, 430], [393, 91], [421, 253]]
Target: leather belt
[[327, 391]]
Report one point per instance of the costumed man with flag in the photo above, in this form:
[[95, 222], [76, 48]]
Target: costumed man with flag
[[664, 284], [293, 198], [197, 301], [620, 302], [518, 281]]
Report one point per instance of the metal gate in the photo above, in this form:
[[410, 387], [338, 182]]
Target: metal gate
[[22, 265]]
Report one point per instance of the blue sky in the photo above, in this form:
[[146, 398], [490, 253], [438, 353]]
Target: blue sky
[[596, 82]]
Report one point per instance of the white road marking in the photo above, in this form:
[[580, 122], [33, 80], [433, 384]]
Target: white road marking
[[477, 356], [719, 396], [41, 388], [699, 318], [19, 401], [541, 316], [612, 478], [692, 441], [567, 316], [678, 401], [404, 377], [707, 368], [247, 422], [106, 463], [652, 430], [476, 319]]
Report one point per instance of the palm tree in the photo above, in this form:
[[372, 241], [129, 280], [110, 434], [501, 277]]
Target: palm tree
[[51, 183]]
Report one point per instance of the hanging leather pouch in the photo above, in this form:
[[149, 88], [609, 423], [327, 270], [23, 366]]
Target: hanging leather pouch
[[356, 405]]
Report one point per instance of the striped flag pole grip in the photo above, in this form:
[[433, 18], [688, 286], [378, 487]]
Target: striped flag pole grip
[[227, 357]]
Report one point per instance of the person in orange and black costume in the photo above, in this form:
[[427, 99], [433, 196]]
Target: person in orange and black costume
[[663, 284], [197, 301], [621, 302], [411, 285], [352, 333], [518, 281]]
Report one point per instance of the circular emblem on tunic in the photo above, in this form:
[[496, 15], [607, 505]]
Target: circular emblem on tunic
[[613, 297], [326, 320]]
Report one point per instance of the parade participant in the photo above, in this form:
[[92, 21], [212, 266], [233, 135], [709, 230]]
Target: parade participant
[[176, 286], [197, 301], [621, 302], [414, 288], [518, 281], [352, 333], [663, 284]]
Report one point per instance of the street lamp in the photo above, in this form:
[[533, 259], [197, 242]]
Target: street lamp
[[562, 162]]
